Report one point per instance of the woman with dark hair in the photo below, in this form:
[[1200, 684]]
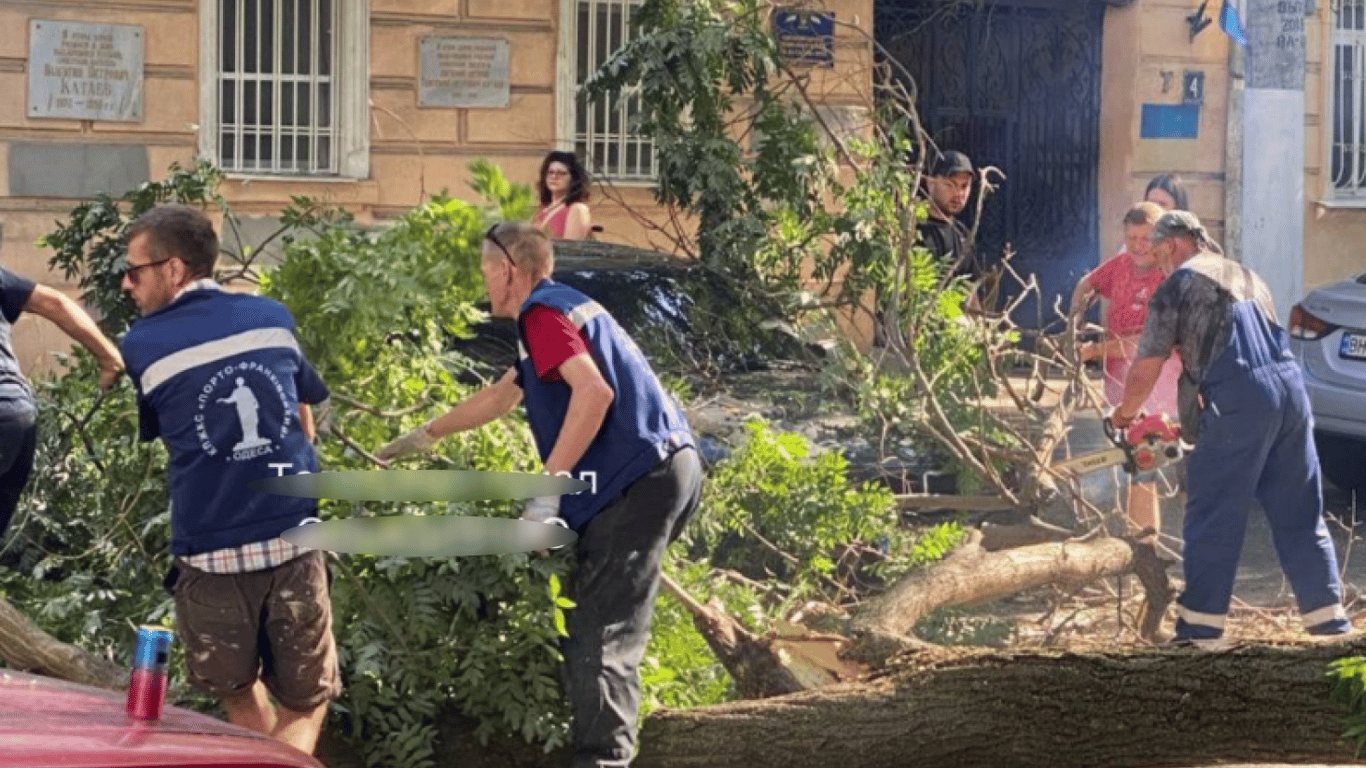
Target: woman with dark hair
[[563, 189], [1168, 191]]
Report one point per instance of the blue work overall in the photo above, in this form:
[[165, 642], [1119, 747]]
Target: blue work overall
[[1255, 440]]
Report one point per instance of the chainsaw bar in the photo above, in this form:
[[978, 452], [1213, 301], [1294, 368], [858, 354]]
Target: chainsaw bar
[[1090, 462]]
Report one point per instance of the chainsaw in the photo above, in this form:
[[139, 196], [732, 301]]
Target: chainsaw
[[1150, 442]]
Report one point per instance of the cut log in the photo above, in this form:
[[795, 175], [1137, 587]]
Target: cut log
[[1181, 706], [26, 647]]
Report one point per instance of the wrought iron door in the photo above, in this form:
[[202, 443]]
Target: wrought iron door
[[1014, 84]]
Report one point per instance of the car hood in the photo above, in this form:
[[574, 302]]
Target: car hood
[[46, 723], [1342, 303]]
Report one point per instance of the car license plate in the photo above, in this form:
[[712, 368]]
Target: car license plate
[[1353, 346]]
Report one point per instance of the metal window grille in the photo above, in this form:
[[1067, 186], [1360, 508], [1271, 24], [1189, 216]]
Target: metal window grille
[[1348, 89], [277, 106], [604, 130]]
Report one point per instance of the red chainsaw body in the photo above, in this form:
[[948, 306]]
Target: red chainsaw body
[[1151, 441]]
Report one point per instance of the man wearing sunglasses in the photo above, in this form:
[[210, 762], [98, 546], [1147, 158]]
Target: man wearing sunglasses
[[598, 413], [221, 380], [18, 413]]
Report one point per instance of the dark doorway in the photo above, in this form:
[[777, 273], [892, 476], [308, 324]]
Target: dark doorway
[[1015, 84]]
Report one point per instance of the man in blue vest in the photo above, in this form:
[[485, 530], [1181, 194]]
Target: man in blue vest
[[1243, 405], [221, 380], [599, 414]]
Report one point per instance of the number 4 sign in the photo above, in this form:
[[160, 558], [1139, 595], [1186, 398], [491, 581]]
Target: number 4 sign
[[1193, 87]]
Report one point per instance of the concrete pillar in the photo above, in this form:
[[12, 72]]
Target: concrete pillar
[[1272, 234]]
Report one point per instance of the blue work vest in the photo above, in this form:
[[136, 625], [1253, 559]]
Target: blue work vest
[[642, 426]]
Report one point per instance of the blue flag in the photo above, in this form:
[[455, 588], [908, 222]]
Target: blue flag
[[1228, 21]]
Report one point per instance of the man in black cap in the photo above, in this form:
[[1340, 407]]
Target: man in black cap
[[949, 183]]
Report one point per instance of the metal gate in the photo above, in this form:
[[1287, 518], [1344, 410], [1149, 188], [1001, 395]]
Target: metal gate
[[1014, 84]]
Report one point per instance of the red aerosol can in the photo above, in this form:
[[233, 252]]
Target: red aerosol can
[[147, 690]]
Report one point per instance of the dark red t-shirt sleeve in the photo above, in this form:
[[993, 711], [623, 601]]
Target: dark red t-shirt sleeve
[[551, 339]]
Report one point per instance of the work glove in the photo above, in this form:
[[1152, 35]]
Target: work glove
[[417, 441], [544, 509]]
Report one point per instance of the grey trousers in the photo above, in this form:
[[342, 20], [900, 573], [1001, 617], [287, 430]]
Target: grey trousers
[[614, 587]]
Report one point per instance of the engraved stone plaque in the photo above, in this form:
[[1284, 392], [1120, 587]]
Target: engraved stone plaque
[[464, 72], [85, 71]]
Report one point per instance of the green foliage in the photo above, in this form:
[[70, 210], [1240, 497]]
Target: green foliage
[[694, 64], [479, 635], [776, 510], [89, 244], [1348, 677]]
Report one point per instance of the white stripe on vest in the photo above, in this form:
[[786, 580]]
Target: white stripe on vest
[[168, 367]]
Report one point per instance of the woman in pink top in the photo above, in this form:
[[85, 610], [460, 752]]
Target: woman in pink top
[[1128, 281], [563, 189]]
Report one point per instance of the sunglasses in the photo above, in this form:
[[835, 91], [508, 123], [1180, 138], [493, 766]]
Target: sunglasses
[[131, 271], [490, 236]]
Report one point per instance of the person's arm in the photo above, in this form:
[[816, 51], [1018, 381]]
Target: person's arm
[[75, 322], [1082, 295], [1154, 347], [306, 422], [578, 222], [590, 397], [492, 402], [1142, 378]]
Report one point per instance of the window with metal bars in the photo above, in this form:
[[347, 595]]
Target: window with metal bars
[[276, 94], [1347, 160], [605, 134]]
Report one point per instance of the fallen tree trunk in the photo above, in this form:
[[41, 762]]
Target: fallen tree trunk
[[973, 575], [26, 647], [1167, 707]]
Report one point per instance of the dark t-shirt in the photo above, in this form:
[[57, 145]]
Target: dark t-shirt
[[14, 294], [948, 241]]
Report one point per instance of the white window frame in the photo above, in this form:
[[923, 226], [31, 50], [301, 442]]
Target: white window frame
[[568, 137], [351, 83], [1355, 40]]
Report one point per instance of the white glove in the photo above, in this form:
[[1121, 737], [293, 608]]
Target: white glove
[[544, 509], [417, 441]]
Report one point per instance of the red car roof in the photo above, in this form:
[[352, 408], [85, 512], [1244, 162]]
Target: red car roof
[[50, 723]]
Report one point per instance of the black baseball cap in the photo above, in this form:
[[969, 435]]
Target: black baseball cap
[[949, 163]]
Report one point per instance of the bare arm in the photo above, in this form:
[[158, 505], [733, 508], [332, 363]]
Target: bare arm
[[578, 223], [306, 422], [589, 399], [1142, 377], [492, 402], [76, 323], [1082, 295]]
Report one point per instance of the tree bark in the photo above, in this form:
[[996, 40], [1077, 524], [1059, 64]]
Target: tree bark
[[1168, 707], [26, 647]]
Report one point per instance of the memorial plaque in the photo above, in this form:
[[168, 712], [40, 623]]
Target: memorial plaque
[[805, 38], [85, 71], [464, 72]]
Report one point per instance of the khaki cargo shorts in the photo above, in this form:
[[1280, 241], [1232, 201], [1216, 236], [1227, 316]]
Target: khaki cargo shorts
[[275, 624]]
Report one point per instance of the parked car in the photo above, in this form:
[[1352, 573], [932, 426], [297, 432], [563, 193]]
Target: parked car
[[47, 723], [683, 316], [1328, 335]]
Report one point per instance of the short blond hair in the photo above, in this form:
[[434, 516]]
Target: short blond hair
[[1142, 213], [528, 247]]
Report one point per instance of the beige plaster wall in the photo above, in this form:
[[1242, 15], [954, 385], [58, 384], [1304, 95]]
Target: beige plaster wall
[[414, 151], [1333, 236], [1147, 47]]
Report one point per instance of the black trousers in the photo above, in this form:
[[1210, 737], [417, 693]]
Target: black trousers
[[614, 587], [18, 442]]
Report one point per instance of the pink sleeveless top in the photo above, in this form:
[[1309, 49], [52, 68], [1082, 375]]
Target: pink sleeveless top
[[555, 223]]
